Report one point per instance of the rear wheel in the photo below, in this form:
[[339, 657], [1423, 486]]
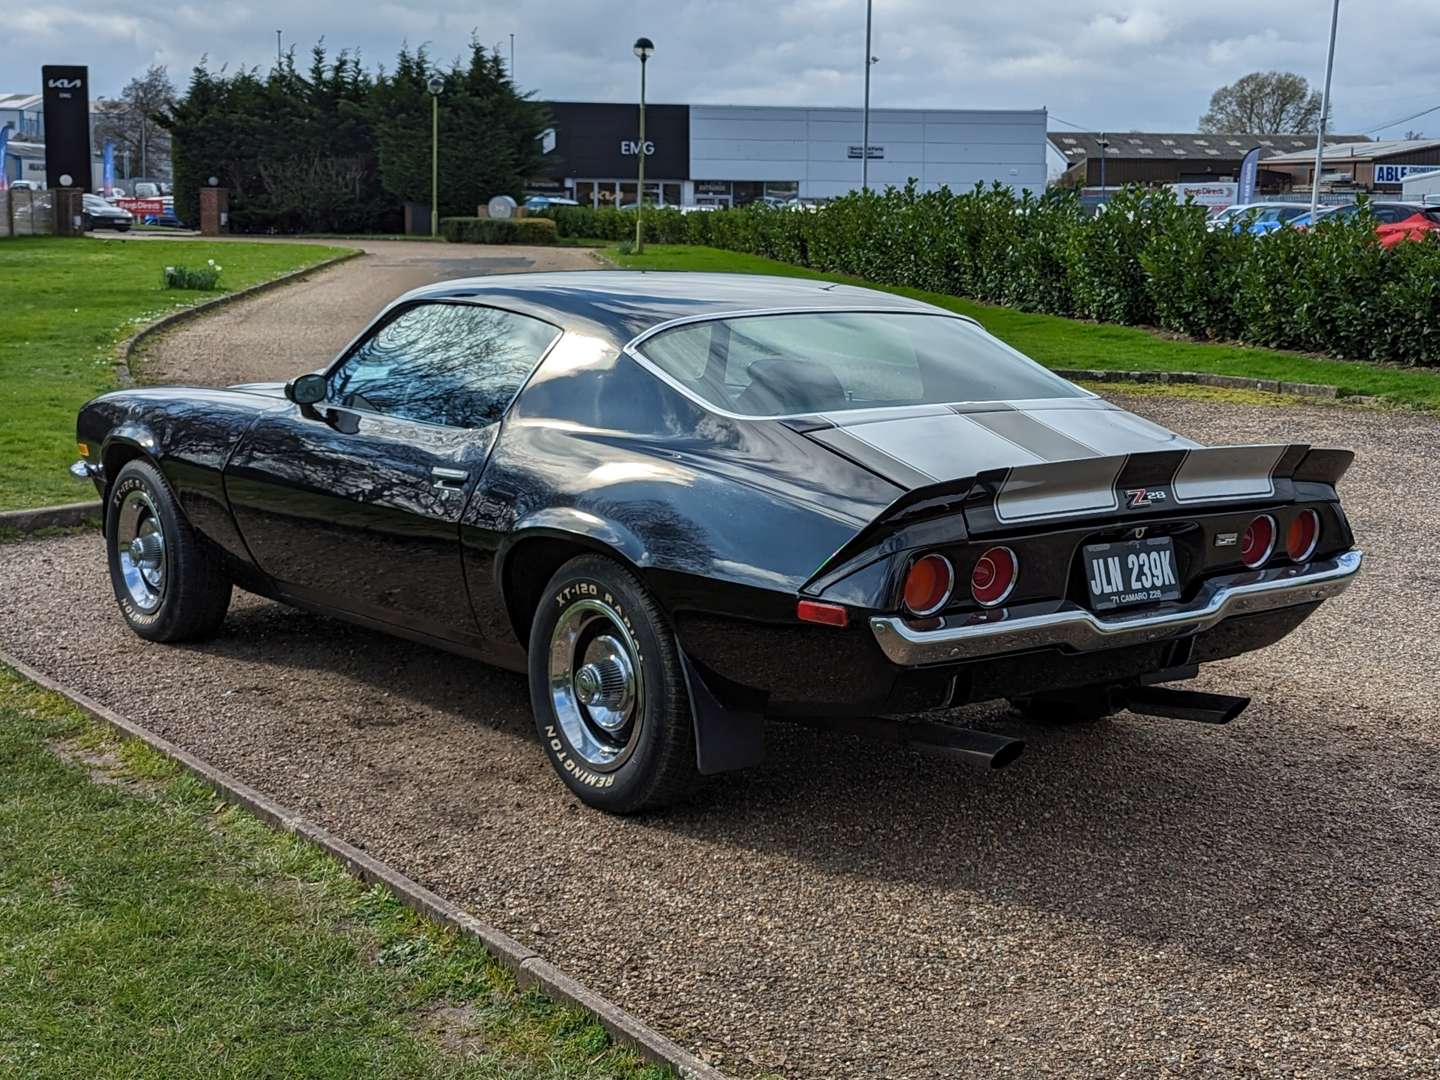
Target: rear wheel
[[168, 585], [607, 690]]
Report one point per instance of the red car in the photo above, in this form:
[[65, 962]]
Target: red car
[[1415, 227]]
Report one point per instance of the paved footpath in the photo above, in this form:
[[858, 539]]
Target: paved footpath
[[300, 327]]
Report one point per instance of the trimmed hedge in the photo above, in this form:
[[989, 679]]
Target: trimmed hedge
[[478, 230], [1147, 260]]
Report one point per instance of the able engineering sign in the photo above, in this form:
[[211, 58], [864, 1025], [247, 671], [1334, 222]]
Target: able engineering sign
[[1394, 174]]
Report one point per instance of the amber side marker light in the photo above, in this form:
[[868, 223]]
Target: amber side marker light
[[84, 450], [817, 611]]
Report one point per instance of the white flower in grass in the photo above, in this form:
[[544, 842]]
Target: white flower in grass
[[210, 261]]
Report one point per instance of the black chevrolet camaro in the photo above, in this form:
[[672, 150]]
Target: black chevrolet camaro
[[686, 503]]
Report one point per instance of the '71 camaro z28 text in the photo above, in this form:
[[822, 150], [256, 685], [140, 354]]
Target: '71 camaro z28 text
[[684, 503]]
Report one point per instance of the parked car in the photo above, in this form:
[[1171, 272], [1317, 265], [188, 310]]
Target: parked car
[[1227, 217], [1385, 213], [1422, 224], [684, 503], [167, 216], [1262, 218], [96, 213], [536, 203], [26, 185], [145, 189]]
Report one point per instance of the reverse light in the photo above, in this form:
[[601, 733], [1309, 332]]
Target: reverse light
[[993, 578], [1258, 541], [817, 611], [927, 584], [1302, 536]]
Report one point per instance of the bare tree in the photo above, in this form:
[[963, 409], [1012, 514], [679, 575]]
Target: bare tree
[[129, 121], [1264, 102], [1413, 134]]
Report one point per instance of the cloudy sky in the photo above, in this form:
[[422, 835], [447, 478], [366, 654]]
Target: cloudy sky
[[1147, 65]]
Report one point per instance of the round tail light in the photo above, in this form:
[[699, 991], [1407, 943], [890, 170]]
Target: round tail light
[[1258, 541], [994, 576], [928, 584], [1303, 535]]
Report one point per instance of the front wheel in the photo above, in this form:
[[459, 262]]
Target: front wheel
[[168, 584], [607, 690]]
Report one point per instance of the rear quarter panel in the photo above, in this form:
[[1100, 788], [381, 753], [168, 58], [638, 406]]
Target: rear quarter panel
[[723, 519]]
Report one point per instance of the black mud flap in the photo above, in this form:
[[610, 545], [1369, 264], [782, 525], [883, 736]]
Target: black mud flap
[[725, 739]]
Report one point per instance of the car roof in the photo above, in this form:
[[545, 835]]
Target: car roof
[[622, 304]]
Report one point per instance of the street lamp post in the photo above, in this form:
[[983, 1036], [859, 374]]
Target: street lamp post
[[1104, 147], [435, 86], [1324, 115], [865, 123], [644, 48]]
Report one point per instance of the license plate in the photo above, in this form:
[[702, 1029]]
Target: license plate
[[1131, 572]]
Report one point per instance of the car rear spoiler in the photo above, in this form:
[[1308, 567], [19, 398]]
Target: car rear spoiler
[[1120, 486]]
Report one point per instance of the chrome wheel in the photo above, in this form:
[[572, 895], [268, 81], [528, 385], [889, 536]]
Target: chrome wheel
[[596, 684], [140, 550]]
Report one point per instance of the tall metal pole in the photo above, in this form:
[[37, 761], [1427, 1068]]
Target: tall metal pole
[[640, 192], [865, 124], [1103, 145], [434, 165], [512, 58], [1324, 116], [279, 56]]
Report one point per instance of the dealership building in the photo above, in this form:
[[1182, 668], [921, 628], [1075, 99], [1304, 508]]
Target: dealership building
[[730, 155]]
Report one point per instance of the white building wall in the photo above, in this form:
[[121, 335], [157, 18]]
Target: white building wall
[[955, 148]]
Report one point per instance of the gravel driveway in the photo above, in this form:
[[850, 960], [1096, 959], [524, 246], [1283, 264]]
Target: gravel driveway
[[1140, 898], [322, 313]]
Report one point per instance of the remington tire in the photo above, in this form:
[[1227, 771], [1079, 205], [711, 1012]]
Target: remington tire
[[607, 690], [168, 584]]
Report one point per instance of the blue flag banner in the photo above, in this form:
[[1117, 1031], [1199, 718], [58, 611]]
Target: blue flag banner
[[4, 143], [1249, 172], [109, 175]]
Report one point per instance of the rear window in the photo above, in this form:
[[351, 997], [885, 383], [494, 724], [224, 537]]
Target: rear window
[[778, 365]]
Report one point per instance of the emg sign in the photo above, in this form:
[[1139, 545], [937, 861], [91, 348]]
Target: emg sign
[[1394, 174], [631, 147]]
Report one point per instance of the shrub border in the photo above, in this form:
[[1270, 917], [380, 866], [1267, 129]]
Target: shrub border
[[528, 966]]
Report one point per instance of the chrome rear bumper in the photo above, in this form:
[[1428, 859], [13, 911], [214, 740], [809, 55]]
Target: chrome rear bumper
[[913, 642]]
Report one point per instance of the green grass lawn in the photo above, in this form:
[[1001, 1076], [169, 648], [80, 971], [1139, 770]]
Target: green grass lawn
[[148, 930], [67, 303], [1070, 343]]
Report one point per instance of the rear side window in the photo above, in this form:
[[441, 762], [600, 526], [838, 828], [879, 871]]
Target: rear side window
[[457, 365], [807, 362]]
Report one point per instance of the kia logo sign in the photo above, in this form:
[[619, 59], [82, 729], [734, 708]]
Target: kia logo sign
[[631, 147], [65, 84]]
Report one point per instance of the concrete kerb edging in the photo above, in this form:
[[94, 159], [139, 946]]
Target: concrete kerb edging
[[528, 967], [126, 349], [1201, 378], [49, 517]]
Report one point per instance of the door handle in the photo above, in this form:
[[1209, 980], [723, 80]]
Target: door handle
[[448, 479]]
